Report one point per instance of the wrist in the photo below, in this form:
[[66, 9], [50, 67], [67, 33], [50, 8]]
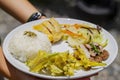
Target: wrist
[[36, 16]]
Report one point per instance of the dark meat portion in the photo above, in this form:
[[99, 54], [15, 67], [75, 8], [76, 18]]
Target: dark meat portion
[[104, 55], [97, 53], [98, 59]]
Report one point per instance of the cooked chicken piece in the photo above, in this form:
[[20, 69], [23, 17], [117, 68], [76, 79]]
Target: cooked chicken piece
[[97, 53], [92, 54], [98, 59], [88, 46], [104, 55]]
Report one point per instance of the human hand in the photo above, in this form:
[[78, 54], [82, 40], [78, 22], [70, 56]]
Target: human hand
[[87, 78], [15, 74], [10, 72], [43, 17], [18, 75]]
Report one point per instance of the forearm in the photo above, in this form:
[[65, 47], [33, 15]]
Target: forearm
[[20, 9]]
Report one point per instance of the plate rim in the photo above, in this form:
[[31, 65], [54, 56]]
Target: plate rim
[[47, 76]]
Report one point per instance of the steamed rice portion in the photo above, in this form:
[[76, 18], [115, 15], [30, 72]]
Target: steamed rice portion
[[26, 44]]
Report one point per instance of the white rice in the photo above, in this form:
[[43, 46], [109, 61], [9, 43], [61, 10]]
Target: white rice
[[23, 47]]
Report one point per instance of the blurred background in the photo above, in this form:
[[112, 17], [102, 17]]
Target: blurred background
[[105, 13]]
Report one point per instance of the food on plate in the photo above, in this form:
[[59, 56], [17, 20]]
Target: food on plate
[[52, 28], [88, 38], [79, 33], [61, 63], [26, 43], [97, 53], [86, 42]]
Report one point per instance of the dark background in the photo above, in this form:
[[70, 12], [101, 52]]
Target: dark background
[[72, 9]]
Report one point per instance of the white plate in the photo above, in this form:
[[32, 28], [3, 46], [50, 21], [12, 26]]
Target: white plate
[[112, 47]]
